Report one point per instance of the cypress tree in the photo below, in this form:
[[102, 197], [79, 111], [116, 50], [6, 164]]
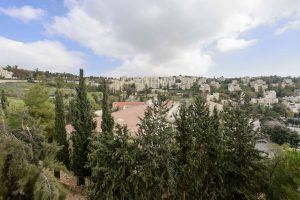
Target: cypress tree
[[4, 102], [60, 134], [107, 124], [84, 125]]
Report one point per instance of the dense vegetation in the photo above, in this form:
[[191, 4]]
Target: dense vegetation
[[202, 155]]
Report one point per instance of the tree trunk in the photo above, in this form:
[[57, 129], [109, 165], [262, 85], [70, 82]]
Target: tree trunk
[[80, 181], [57, 173]]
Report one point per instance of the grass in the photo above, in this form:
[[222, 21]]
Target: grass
[[16, 90]]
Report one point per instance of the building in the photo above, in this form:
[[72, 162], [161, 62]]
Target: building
[[271, 94], [205, 88], [259, 84], [215, 84], [287, 82], [246, 80], [126, 104], [213, 97], [234, 86], [5, 74], [269, 98]]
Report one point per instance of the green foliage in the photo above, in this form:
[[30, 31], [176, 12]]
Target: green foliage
[[107, 124], [283, 92], [4, 102], [36, 99], [84, 125], [112, 161], [156, 165], [60, 134], [283, 175], [185, 154], [281, 135], [243, 162], [24, 158], [59, 82]]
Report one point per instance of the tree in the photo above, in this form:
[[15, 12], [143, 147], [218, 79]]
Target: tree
[[25, 159], [242, 161], [40, 108], [107, 124], [4, 102], [280, 135], [207, 170], [60, 134], [59, 81], [112, 159], [155, 160], [84, 125], [283, 175], [185, 154], [113, 164]]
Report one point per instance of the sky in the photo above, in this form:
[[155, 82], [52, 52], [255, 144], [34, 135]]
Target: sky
[[115, 38]]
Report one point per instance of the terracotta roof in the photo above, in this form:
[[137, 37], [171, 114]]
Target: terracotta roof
[[127, 103], [130, 116]]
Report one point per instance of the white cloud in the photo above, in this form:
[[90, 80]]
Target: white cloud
[[24, 13], [289, 26], [166, 37], [44, 54], [230, 44]]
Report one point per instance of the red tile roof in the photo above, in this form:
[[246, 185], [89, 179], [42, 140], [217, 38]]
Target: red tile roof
[[130, 116], [121, 104]]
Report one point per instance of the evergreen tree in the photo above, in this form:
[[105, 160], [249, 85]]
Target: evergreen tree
[[4, 102], [25, 159], [84, 125], [113, 164], [107, 124], [242, 161], [206, 172], [155, 159], [40, 108], [60, 135], [112, 159], [184, 154]]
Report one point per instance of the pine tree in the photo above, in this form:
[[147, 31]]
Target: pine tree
[[200, 143], [25, 158], [107, 124], [155, 161], [112, 159], [60, 134], [84, 125], [113, 164], [184, 154], [242, 161], [4, 102]]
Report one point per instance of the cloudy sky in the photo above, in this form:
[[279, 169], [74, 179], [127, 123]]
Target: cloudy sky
[[152, 37]]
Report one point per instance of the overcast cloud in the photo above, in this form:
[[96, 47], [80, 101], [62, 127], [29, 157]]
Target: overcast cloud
[[167, 37]]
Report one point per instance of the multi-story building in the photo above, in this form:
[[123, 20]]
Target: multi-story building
[[259, 84], [5, 74], [269, 98], [246, 80], [205, 88], [215, 84], [213, 97], [234, 86], [271, 94], [287, 82]]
